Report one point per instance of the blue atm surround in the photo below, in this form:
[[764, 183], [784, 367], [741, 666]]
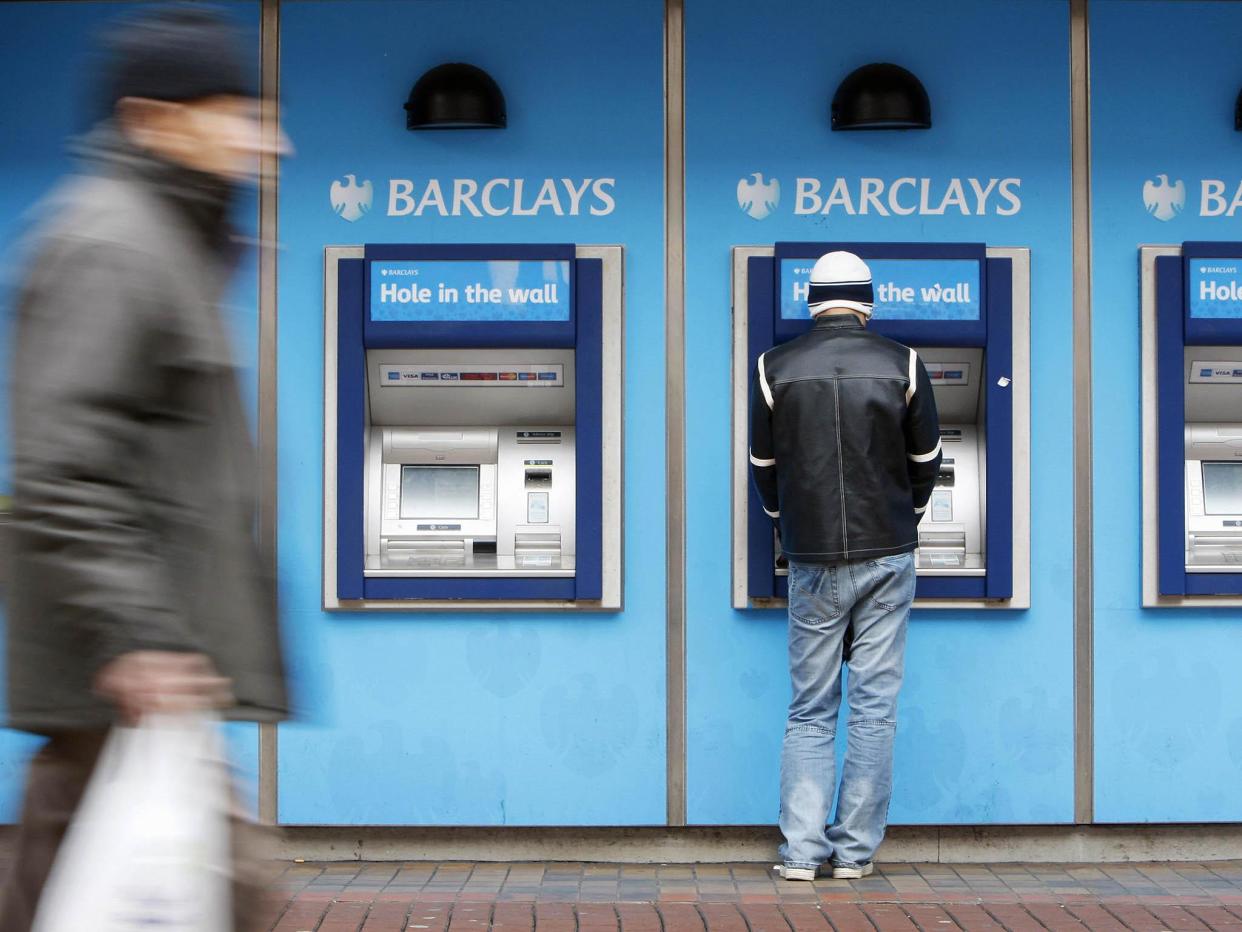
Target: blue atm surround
[[1175, 330], [356, 333], [993, 331]]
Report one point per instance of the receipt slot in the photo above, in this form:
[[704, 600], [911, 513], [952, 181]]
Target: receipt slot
[[472, 441], [1192, 424], [966, 309]]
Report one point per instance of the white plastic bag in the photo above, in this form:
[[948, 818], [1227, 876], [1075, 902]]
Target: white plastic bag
[[149, 847]]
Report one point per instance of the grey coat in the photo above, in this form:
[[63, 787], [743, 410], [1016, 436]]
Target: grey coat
[[133, 512]]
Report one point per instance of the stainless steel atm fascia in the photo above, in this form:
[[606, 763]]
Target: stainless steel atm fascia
[[613, 331], [1151, 511], [1021, 257]]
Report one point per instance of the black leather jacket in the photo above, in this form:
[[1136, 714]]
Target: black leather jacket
[[844, 442]]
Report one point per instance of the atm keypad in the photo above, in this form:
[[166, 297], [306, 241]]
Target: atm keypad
[[487, 498], [391, 494], [1196, 491]]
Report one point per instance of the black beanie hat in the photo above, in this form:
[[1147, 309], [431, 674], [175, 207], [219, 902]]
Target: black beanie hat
[[178, 51]]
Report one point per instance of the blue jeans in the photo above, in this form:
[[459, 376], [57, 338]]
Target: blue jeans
[[824, 599]]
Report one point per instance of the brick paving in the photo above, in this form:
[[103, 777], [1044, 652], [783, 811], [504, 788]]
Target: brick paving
[[563, 897]]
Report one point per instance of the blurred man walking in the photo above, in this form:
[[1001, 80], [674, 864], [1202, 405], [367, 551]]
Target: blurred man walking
[[136, 585]]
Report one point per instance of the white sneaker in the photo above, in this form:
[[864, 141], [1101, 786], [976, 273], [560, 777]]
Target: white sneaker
[[795, 873], [852, 873]]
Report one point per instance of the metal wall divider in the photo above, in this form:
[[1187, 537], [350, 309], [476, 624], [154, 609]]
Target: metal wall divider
[[1084, 538], [675, 404], [269, 189]]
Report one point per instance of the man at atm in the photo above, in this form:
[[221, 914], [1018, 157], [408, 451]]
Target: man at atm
[[844, 451]]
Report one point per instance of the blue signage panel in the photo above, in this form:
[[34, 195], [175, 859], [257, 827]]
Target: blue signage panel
[[1215, 288], [449, 290], [905, 289]]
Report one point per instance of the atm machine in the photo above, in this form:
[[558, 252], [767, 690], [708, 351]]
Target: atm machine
[[966, 309], [1192, 424], [472, 441]]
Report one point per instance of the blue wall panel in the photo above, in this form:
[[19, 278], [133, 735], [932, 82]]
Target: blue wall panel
[[1168, 724], [986, 731], [418, 718], [45, 103]]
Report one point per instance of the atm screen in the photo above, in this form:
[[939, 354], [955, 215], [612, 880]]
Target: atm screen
[[439, 491], [1222, 488], [905, 289]]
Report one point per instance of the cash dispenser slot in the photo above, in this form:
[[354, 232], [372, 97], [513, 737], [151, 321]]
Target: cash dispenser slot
[[446, 546], [426, 553], [1214, 553], [1223, 549], [531, 549], [942, 549]]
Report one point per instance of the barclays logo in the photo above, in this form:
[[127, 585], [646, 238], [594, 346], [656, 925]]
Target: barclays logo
[[1164, 201], [471, 197], [899, 197], [758, 198], [351, 201]]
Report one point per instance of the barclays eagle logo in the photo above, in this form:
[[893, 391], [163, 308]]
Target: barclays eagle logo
[[1164, 201], [351, 201], [757, 197]]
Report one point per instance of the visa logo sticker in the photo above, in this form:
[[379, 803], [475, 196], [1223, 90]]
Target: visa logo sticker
[[957, 373], [1204, 370]]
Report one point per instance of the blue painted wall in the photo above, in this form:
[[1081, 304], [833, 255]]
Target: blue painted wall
[[451, 719], [986, 731], [45, 103], [1168, 724]]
